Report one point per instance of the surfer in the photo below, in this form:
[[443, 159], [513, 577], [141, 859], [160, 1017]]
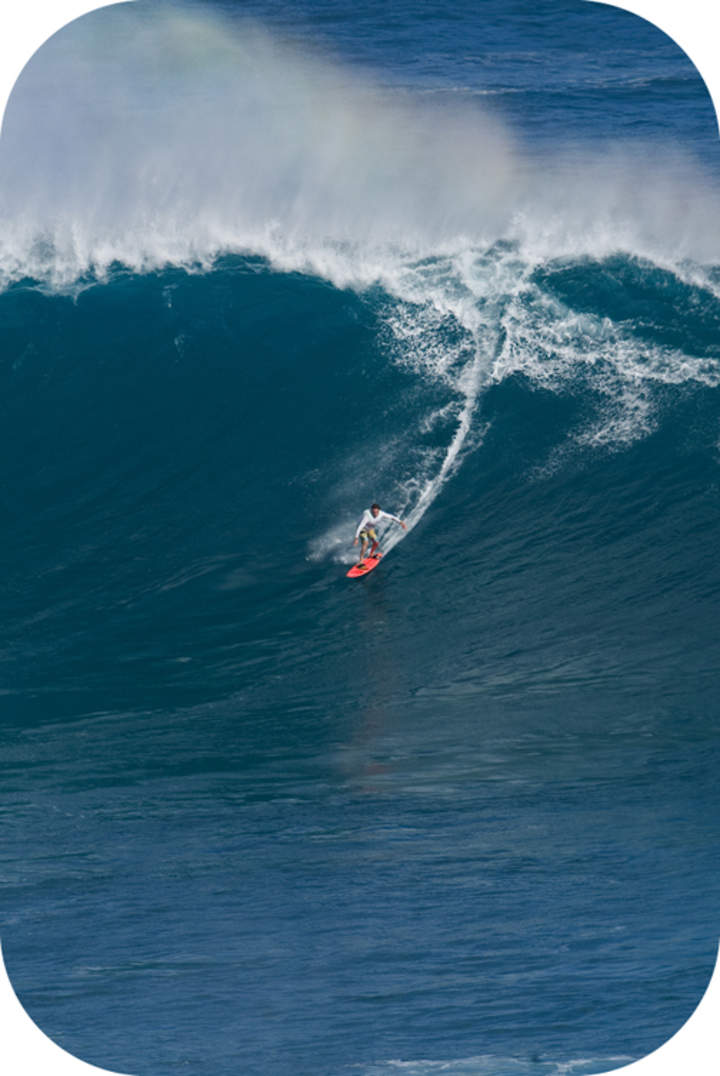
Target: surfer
[[366, 528]]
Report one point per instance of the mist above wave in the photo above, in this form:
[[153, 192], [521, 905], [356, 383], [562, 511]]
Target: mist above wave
[[169, 137]]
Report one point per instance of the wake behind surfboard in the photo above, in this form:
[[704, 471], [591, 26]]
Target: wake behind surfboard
[[363, 567]]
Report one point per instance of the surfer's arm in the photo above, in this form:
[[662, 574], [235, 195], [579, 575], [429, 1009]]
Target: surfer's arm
[[363, 523], [386, 515]]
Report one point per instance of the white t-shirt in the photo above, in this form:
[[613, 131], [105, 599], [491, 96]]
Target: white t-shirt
[[369, 520]]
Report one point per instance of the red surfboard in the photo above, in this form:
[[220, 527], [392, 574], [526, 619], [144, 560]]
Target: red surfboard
[[363, 567]]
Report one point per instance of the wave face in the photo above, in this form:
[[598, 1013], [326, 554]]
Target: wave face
[[227, 448], [463, 808]]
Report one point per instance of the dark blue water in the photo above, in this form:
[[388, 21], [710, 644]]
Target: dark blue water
[[258, 818]]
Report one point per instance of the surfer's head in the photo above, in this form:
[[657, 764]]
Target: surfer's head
[[374, 508]]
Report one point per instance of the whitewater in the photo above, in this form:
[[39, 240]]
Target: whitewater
[[261, 265]]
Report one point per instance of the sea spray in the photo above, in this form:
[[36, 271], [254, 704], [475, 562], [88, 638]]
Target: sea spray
[[154, 137]]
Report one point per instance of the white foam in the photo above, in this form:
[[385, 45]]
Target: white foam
[[488, 1065], [173, 135]]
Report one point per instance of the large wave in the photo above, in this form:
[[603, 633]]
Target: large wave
[[182, 137]]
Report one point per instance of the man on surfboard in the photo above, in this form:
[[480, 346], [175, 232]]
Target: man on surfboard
[[366, 529]]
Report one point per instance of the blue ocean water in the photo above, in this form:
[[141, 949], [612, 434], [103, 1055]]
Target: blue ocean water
[[262, 264]]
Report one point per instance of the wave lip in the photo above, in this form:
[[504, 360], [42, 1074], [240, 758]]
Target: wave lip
[[241, 142]]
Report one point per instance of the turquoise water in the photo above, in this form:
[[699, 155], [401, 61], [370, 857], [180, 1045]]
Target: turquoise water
[[457, 816]]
